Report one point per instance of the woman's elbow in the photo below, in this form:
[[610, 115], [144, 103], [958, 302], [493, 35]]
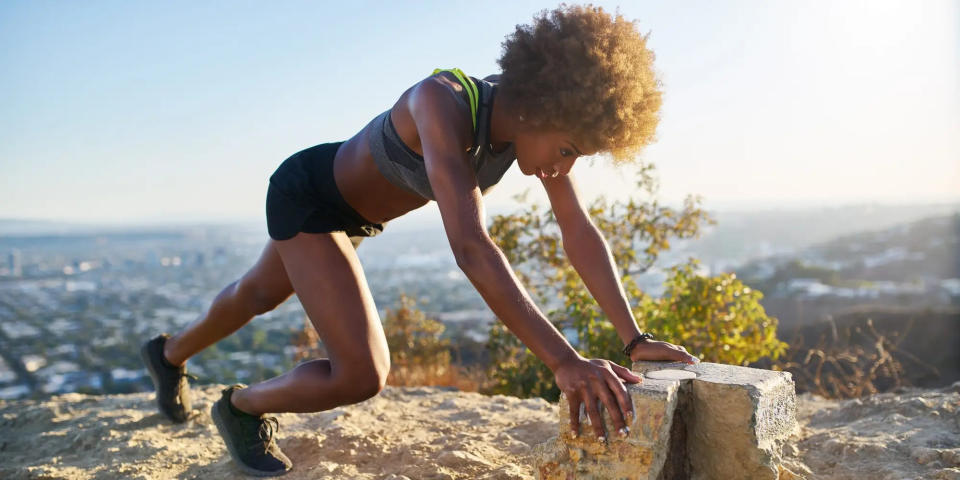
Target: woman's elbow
[[469, 253]]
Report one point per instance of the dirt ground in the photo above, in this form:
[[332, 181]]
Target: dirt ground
[[435, 433]]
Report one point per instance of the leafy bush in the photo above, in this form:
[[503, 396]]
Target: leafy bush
[[418, 356], [718, 316], [418, 353]]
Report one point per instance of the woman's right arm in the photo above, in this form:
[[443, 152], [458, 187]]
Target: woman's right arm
[[445, 135]]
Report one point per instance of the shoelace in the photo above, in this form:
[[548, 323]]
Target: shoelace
[[265, 432]]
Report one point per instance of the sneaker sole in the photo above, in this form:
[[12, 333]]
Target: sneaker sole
[[218, 421], [154, 376]]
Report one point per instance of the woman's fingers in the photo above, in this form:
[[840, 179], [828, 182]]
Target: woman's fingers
[[612, 402], [616, 402], [597, 383], [593, 412], [625, 373], [625, 405], [688, 357], [574, 401]]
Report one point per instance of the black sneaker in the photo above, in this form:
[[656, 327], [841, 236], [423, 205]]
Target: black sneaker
[[250, 439], [170, 382]]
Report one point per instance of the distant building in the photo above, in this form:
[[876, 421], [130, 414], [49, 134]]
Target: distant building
[[32, 362], [14, 392], [951, 286], [7, 374], [18, 330], [123, 375], [15, 263]]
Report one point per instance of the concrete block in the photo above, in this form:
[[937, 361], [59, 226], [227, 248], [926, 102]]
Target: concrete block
[[634, 457], [701, 421]]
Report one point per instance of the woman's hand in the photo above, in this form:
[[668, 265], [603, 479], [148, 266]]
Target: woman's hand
[[587, 381], [655, 350]]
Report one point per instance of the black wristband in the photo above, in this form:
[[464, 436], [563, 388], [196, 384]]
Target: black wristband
[[643, 337]]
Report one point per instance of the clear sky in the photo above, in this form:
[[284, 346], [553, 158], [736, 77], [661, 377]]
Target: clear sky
[[118, 111]]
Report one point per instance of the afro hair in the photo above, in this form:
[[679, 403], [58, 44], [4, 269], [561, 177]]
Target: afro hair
[[580, 70]]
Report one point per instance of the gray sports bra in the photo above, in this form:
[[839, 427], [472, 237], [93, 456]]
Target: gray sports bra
[[405, 168]]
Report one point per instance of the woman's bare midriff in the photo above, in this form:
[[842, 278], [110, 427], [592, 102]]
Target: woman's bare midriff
[[364, 188]]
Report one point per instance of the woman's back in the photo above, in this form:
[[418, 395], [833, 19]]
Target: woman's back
[[359, 170], [406, 168]]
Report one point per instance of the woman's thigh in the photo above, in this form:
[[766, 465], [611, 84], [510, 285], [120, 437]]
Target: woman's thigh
[[329, 281], [266, 285]]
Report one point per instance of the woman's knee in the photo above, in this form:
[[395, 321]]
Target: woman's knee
[[358, 383]]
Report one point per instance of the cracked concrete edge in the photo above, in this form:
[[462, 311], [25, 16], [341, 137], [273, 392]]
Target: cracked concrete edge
[[771, 393], [643, 366], [762, 386], [655, 403], [723, 415], [717, 372], [754, 409]]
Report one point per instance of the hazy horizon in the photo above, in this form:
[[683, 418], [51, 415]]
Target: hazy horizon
[[421, 219]]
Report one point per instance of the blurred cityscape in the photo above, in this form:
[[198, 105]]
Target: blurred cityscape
[[76, 305]]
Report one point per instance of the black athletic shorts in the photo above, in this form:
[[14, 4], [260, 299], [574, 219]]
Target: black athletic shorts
[[302, 197]]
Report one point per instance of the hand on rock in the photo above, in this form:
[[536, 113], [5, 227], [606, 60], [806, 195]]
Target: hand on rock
[[594, 382], [657, 351]]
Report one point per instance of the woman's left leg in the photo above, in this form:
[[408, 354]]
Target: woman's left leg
[[329, 281], [260, 290]]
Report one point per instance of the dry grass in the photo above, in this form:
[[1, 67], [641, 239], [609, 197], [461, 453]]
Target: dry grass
[[408, 369], [473, 378], [850, 362]]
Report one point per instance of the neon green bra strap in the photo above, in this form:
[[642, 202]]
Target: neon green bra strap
[[471, 90]]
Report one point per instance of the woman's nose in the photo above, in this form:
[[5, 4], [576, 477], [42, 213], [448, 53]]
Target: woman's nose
[[563, 168]]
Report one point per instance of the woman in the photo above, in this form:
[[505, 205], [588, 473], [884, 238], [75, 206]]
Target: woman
[[576, 82]]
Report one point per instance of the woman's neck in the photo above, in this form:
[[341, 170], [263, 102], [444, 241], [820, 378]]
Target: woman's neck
[[503, 124]]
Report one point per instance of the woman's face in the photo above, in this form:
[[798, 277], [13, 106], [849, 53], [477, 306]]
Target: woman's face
[[546, 153]]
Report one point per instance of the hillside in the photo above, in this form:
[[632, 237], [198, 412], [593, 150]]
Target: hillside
[[741, 236], [920, 251], [434, 433]]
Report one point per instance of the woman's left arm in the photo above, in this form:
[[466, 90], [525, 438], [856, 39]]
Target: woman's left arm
[[590, 256]]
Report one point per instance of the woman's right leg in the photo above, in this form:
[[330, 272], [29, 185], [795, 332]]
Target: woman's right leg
[[261, 289], [329, 281]]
